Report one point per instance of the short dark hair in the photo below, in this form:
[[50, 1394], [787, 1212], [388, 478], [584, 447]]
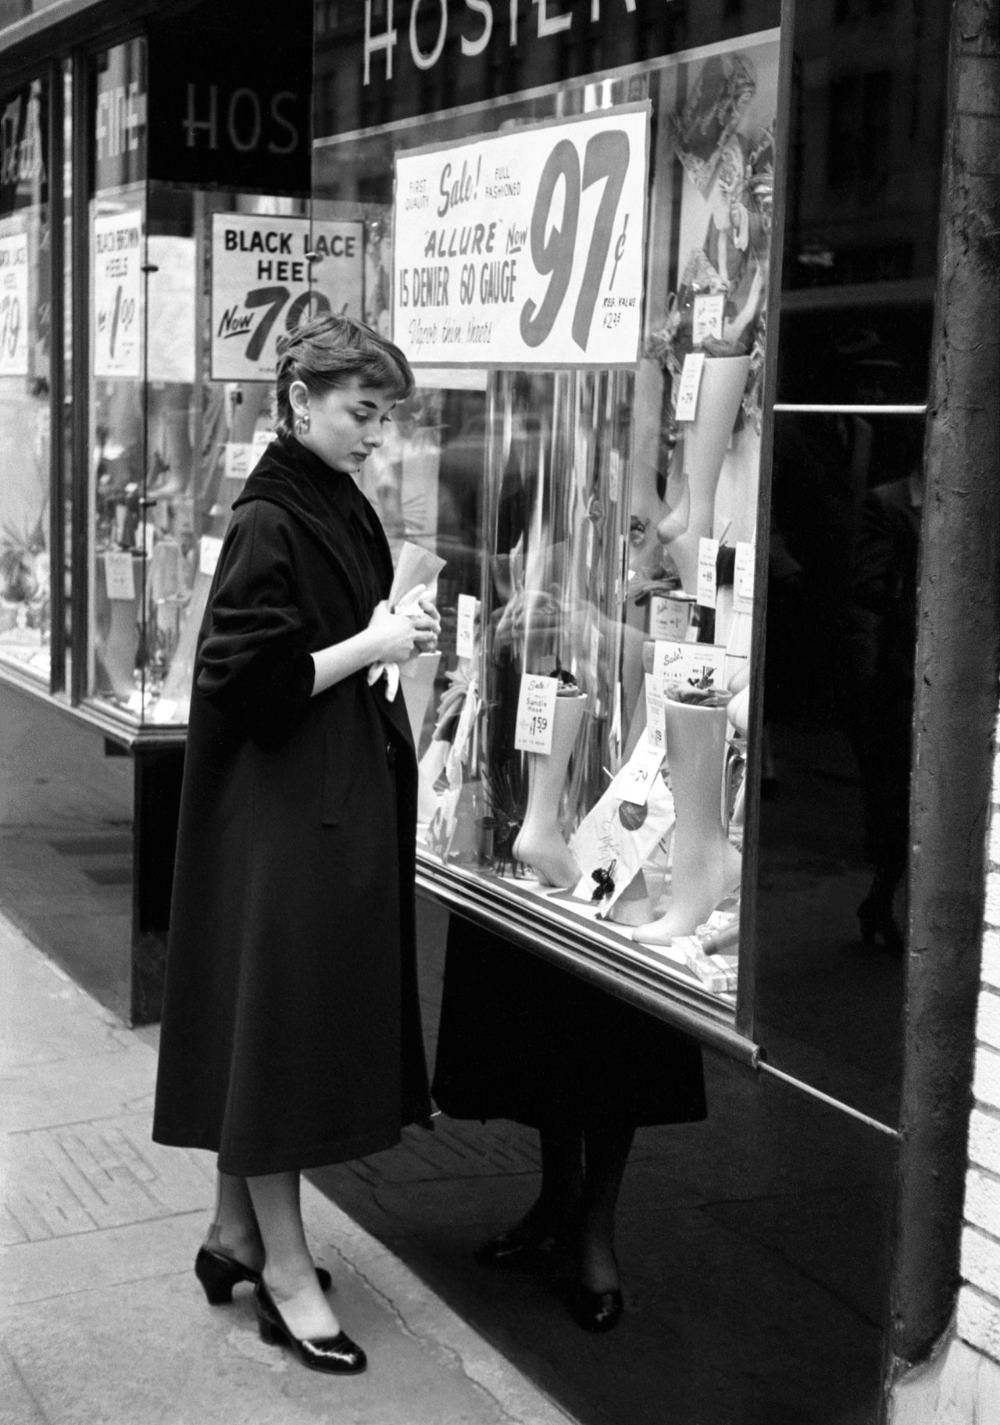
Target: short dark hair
[[326, 352]]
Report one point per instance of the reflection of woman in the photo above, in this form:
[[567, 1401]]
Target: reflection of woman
[[523, 1039], [291, 1032]]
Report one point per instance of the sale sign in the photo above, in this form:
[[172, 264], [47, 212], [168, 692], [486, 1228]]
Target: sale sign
[[525, 248], [269, 275], [117, 294], [14, 304]]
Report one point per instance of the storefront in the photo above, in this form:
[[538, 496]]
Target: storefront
[[669, 292]]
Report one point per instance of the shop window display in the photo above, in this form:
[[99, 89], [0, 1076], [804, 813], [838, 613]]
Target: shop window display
[[25, 411], [583, 735]]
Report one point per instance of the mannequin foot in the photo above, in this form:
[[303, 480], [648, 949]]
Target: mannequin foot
[[548, 856], [696, 894]]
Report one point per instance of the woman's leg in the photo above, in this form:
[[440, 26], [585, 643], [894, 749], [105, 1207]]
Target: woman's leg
[[550, 1217], [233, 1230], [606, 1154], [289, 1271]]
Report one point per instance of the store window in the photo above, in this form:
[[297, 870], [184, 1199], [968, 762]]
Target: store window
[[25, 381], [580, 275]]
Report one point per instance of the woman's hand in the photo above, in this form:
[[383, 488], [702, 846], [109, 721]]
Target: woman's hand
[[399, 636]]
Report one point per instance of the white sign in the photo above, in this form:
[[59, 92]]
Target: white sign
[[117, 294], [536, 706], [692, 665], [635, 780], [689, 385], [119, 579], [743, 577], [708, 560], [525, 248], [209, 549], [265, 283], [14, 305], [465, 633]]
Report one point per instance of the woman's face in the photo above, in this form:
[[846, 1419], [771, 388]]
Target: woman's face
[[345, 424]]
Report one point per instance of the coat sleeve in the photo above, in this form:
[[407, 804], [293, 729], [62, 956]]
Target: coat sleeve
[[254, 664]]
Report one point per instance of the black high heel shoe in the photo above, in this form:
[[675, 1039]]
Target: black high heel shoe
[[522, 1246], [595, 1310], [218, 1275], [336, 1355]]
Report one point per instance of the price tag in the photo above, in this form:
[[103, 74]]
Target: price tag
[[209, 549], [692, 665], [743, 578], [656, 733], [14, 360], [708, 555], [116, 294], [669, 616], [634, 781], [465, 634], [239, 454], [707, 316], [536, 705], [119, 579], [689, 385]]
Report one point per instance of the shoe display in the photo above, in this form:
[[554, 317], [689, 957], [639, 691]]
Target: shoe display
[[218, 1275], [335, 1355]]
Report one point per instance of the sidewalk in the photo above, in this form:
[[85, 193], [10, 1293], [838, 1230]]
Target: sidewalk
[[101, 1319]]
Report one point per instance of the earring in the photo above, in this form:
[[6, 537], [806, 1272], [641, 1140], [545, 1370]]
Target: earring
[[302, 423]]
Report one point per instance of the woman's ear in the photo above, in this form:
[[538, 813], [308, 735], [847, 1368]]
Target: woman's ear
[[298, 398]]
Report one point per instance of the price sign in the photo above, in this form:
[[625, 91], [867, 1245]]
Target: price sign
[[743, 577], [693, 665], [525, 248], [536, 705], [656, 734], [268, 276], [707, 317], [689, 385], [465, 634], [209, 549], [117, 294], [635, 780], [708, 558], [119, 580], [14, 305]]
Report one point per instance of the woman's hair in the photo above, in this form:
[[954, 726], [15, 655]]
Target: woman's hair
[[326, 352]]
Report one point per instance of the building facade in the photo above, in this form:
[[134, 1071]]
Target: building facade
[[698, 463]]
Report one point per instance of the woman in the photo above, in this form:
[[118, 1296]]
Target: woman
[[291, 1031]]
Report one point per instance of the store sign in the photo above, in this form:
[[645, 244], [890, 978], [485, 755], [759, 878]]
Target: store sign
[[524, 249], [268, 276], [14, 305], [22, 151], [117, 294]]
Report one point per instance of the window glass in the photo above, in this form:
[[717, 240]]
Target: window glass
[[25, 379], [580, 277]]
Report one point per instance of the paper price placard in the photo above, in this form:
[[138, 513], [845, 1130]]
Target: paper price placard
[[13, 304], [536, 705], [524, 248], [465, 633], [708, 556], [635, 780], [707, 317], [743, 578], [117, 294], [119, 579], [689, 385], [656, 734], [268, 275], [692, 665]]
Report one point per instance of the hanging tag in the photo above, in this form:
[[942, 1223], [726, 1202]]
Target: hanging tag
[[743, 573], [636, 778], [708, 554], [209, 549], [119, 579], [465, 633], [536, 705], [706, 319], [656, 734], [690, 383]]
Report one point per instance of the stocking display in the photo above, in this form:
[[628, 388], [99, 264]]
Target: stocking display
[[540, 843]]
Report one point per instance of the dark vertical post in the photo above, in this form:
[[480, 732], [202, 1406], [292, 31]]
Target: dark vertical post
[[956, 702]]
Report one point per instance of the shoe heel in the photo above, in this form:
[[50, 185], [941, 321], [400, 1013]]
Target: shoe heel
[[217, 1278], [269, 1333]]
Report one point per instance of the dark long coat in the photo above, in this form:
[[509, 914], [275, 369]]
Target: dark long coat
[[291, 1028]]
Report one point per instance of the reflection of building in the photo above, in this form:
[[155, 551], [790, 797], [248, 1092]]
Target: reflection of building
[[195, 216]]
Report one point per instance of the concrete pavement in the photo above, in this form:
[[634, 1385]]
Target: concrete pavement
[[101, 1319]]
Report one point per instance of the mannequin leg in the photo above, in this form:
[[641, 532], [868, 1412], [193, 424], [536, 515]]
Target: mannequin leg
[[705, 864], [289, 1270], [416, 683], [705, 442], [539, 843]]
